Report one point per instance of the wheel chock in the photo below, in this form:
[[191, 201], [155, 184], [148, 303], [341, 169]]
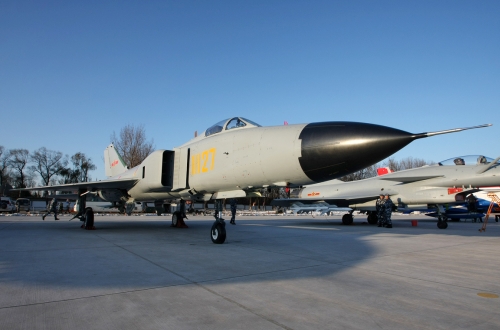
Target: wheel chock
[[181, 224]]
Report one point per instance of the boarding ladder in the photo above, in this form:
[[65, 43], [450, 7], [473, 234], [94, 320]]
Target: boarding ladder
[[494, 199]]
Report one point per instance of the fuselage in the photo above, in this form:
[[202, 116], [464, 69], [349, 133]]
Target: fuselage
[[236, 157], [234, 161]]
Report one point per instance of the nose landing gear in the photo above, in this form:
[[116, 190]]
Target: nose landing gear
[[218, 230]]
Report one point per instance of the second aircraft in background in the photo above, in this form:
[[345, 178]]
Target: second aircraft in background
[[427, 187]]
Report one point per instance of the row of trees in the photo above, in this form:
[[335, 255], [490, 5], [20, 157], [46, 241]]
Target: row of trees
[[20, 168]]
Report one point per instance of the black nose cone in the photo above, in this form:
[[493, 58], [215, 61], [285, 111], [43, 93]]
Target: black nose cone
[[334, 149]]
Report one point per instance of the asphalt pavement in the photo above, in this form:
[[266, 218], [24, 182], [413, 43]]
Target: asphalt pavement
[[273, 272]]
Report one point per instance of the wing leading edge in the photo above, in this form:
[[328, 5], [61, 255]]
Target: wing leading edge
[[89, 186]]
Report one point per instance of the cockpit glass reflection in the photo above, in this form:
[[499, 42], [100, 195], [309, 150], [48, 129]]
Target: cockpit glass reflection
[[236, 122], [466, 160]]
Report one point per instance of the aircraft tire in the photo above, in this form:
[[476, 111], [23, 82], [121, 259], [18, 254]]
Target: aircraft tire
[[347, 219], [89, 218], [372, 218], [218, 233], [175, 218], [442, 224]]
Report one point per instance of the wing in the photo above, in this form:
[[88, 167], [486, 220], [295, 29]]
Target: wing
[[345, 201], [89, 186], [408, 179]]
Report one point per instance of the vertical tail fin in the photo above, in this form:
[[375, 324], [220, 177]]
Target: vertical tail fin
[[113, 162], [383, 171]]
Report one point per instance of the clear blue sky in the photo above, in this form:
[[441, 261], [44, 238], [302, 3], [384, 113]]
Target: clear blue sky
[[72, 72]]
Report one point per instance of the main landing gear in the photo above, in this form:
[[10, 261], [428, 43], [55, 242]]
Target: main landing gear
[[347, 219], [218, 230], [179, 216], [88, 219], [372, 218], [85, 214]]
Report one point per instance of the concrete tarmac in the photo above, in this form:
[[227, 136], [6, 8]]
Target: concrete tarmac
[[273, 272]]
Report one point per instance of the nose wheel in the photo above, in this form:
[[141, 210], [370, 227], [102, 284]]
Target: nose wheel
[[218, 230], [442, 223]]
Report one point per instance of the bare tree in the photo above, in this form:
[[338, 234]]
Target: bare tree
[[80, 171], [48, 163], [365, 173], [83, 165], [131, 144], [392, 163], [4, 165], [405, 163], [5, 175], [19, 159], [68, 175]]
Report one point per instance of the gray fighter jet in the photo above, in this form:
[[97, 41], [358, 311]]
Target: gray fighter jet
[[427, 187], [236, 156]]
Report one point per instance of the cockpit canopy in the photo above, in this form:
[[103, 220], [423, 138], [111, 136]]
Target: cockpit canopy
[[228, 124], [466, 160]]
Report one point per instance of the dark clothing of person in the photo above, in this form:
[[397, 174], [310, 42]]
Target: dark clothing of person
[[472, 206], [471, 203], [52, 209], [233, 211], [379, 207], [388, 206]]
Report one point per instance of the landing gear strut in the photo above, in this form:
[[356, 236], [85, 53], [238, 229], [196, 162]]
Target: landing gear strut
[[218, 230]]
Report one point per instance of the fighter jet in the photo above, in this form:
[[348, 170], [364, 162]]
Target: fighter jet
[[427, 187], [236, 156]]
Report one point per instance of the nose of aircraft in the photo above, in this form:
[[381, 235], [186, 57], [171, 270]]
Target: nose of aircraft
[[333, 149]]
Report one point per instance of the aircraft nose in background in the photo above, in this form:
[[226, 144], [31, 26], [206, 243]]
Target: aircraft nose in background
[[333, 149]]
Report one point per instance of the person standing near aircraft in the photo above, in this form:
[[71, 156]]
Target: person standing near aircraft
[[66, 206], [472, 205], [379, 207], [52, 209], [233, 211], [388, 206]]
